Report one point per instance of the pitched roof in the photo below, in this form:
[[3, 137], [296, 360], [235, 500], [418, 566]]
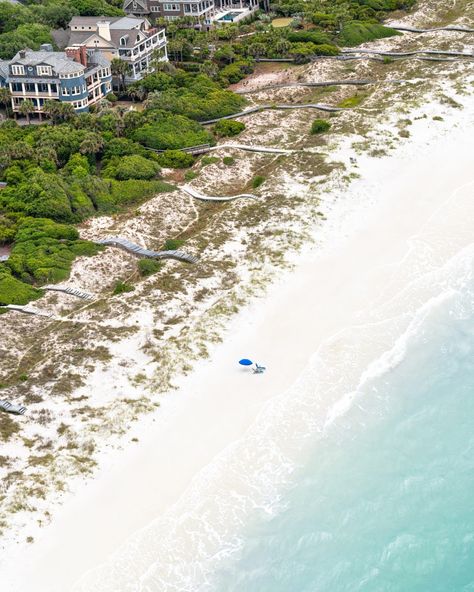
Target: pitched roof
[[60, 62], [3, 68]]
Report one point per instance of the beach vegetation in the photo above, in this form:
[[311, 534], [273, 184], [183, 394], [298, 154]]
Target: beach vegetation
[[228, 160], [351, 102], [173, 244], [148, 267], [228, 128], [257, 181], [354, 33], [8, 427], [206, 160], [122, 288], [131, 167], [176, 159], [320, 126], [190, 175]]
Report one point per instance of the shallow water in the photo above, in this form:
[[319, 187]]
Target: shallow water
[[384, 500]]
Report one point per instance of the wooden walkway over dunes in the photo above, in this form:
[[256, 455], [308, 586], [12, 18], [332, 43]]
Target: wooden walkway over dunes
[[261, 149], [409, 29], [126, 245], [193, 193], [26, 309], [407, 54], [71, 291], [11, 408], [312, 85], [317, 106]]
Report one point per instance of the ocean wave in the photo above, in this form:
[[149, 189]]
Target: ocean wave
[[181, 550]]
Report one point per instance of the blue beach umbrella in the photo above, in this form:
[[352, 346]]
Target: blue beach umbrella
[[245, 362]]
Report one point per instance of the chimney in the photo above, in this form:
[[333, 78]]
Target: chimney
[[23, 53], [77, 53], [103, 29]]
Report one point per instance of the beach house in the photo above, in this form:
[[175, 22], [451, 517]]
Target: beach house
[[75, 76], [131, 39], [201, 12]]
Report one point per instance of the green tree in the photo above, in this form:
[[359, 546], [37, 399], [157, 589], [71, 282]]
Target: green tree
[[5, 99], [91, 144], [26, 108], [120, 68]]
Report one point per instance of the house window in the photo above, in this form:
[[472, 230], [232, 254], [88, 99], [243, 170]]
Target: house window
[[123, 41], [172, 7], [44, 70], [155, 8], [18, 70], [16, 87]]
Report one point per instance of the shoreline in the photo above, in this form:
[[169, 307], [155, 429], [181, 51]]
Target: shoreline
[[209, 412]]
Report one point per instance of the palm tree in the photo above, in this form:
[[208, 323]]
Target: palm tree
[[5, 99], [121, 69], [256, 50], [91, 144], [26, 108]]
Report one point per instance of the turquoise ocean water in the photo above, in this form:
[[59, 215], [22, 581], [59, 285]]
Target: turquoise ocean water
[[385, 500]]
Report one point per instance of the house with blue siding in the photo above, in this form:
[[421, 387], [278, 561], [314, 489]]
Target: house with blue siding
[[75, 76]]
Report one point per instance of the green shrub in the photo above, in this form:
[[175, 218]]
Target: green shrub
[[198, 98], [136, 190], [257, 181], [13, 291], [353, 101], [228, 160], [176, 159], [44, 250], [111, 97], [320, 126], [148, 267], [173, 244], [355, 32], [228, 128], [171, 132], [205, 160], [122, 287], [131, 167], [190, 175], [316, 37]]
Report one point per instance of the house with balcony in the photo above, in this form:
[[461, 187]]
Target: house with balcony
[[201, 11], [129, 38], [74, 76]]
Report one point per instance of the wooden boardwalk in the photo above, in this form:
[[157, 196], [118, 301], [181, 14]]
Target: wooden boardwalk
[[71, 291], [409, 29], [11, 408], [126, 245], [193, 193], [318, 106]]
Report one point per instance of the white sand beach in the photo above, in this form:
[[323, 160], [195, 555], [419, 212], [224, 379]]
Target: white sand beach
[[123, 528]]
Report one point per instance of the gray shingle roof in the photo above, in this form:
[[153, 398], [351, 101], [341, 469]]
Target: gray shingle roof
[[3, 69], [57, 59]]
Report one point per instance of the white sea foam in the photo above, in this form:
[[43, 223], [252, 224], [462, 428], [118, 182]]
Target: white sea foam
[[182, 549]]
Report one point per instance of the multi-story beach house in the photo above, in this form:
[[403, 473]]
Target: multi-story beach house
[[74, 76], [201, 11], [204, 13], [132, 39]]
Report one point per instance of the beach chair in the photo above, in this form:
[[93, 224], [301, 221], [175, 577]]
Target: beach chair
[[10, 408], [259, 369]]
